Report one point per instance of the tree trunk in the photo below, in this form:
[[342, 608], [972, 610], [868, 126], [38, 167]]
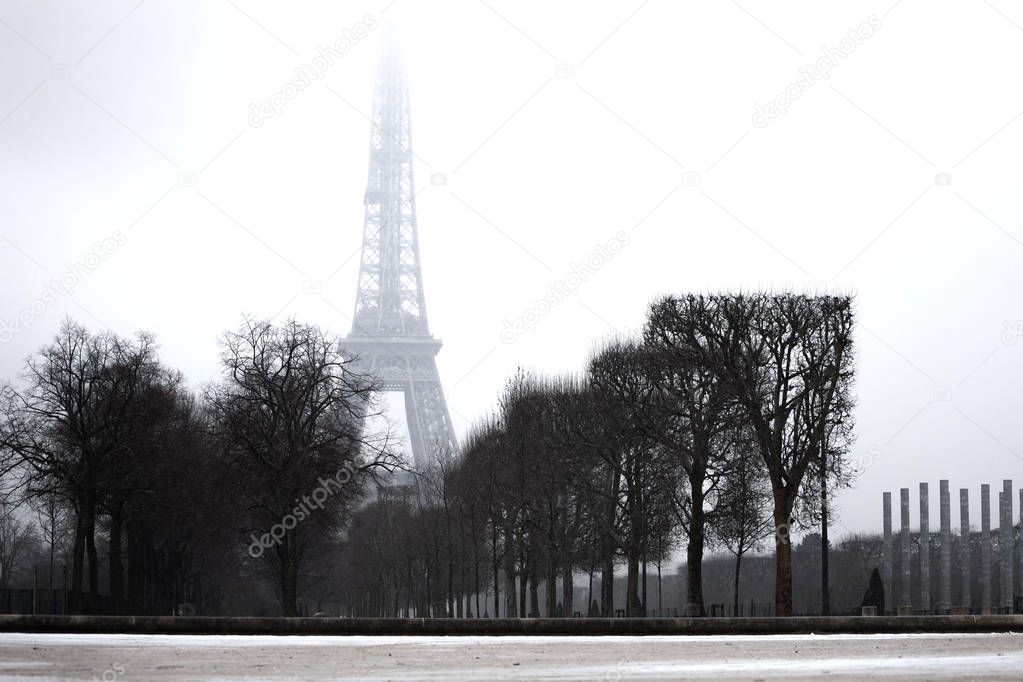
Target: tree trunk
[[476, 588], [783, 564], [77, 562], [551, 597], [429, 605], [90, 550], [632, 582], [53, 533], [534, 600], [410, 586], [660, 608], [116, 565], [694, 558], [607, 584], [290, 575], [735, 585], [523, 586], [589, 595], [510, 602], [608, 546], [825, 572], [497, 575], [451, 585], [567, 589], [133, 599], [635, 540], [643, 607]]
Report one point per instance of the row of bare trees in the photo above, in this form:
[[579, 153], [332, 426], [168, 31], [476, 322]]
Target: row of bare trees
[[724, 423], [182, 496]]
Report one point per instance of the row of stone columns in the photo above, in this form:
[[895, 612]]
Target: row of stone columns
[[1007, 556]]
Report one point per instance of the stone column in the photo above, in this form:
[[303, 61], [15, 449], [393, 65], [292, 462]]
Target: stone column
[[1000, 602], [887, 558], [965, 598], [946, 547], [925, 550], [985, 548], [1006, 545], [906, 594]]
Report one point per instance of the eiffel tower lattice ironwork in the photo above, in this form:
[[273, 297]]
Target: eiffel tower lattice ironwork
[[390, 334]]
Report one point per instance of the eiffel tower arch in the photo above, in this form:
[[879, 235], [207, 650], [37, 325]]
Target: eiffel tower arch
[[390, 333]]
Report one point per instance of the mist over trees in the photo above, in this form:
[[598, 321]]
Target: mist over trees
[[721, 426], [107, 443], [724, 423]]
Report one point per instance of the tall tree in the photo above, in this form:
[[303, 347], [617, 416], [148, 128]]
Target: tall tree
[[784, 359], [291, 413], [17, 537], [52, 516], [744, 520], [692, 411], [69, 422], [480, 458], [623, 394]]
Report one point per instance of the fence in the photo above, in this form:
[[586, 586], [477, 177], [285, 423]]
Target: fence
[[48, 602]]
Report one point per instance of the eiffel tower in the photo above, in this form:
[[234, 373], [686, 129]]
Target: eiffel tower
[[390, 334]]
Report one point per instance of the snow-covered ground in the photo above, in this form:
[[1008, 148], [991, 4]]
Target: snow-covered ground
[[175, 657]]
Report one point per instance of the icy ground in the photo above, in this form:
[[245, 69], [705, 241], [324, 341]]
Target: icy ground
[[114, 658]]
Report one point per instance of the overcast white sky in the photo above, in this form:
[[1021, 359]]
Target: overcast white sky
[[557, 125]]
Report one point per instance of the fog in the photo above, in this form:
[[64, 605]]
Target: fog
[[870, 149]]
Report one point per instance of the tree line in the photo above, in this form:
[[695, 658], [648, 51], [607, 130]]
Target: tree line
[[198, 497], [724, 423]]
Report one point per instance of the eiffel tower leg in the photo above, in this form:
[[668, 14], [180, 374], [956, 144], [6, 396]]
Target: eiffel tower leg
[[430, 430], [415, 429]]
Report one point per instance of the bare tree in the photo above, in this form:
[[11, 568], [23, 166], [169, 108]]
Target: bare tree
[[16, 538], [692, 411], [69, 422], [624, 394], [53, 516], [480, 460], [731, 406], [744, 517], [784, 359], [291, 413]]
